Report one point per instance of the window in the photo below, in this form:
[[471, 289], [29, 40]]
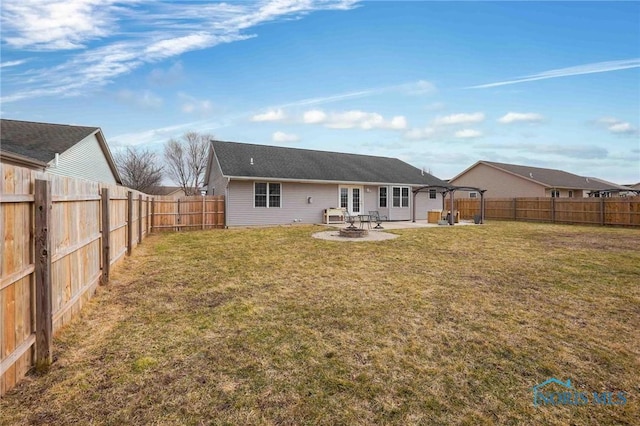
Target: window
[[570, 194], [267, 194], [400, 196], [473, 195], [432, 194], [382, 196], [344, 198], [555, 193]]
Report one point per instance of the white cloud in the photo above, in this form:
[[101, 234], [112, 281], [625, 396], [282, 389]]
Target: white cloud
[[163, 30], [618, 127], [570, 71], [354, 119], [283, 137], [12, 63], [144, 99], [271, 115], [57, 25], [419, 134], [468, 134], [513, 117], [314, 116], [463, 118]]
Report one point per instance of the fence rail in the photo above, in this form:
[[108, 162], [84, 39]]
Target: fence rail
[[55, 253], [620, 211]]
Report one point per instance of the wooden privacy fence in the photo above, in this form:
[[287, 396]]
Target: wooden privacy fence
[[188, 213], [622, 211], [54, 253]]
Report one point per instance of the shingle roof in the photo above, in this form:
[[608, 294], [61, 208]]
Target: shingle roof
[[40, 141], [551, 177], [236, 160]]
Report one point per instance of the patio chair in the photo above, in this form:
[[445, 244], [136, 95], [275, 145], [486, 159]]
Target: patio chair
[[375, 216], [350, 219]]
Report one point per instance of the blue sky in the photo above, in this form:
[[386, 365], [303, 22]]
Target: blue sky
[[440, 85]]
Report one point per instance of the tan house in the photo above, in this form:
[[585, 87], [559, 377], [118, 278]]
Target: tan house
[[503, 180], [75, 151], [168, 191]]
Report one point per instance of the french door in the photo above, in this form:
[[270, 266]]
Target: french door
[[351, 199]]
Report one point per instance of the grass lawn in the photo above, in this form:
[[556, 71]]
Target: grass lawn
[[270, 326]]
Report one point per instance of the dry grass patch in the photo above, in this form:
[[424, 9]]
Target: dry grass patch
[[271, 326]]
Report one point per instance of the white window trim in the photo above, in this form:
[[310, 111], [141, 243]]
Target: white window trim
[[473, 194], [267, 206], [408, 198], [386, 197]]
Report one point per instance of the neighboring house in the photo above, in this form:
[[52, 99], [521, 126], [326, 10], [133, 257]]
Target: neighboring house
[[511, 180], [167, 191], [267, 185], [75, 151]]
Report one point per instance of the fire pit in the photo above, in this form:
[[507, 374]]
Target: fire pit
[[353, 232]]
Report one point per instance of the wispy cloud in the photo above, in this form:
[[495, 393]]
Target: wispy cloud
[[567, 72], [515, 117], [163, 30], [12, 63], [420, 87], [191, 105]]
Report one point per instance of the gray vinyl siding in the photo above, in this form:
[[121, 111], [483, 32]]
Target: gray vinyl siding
[[84, 160], [217, 184], [295, 208]]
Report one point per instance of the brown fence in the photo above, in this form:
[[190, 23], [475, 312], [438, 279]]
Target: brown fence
[[622, 211], [188, 213], [54, 254]]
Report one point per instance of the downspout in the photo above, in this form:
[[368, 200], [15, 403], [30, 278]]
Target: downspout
[[413, 210], [226, 202]]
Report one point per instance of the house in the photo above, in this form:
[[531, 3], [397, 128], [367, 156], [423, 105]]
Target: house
[[167, 191], [503, 180], [75, 151], [269, 185]]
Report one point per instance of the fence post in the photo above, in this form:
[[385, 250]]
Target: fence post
[[147, 216], [44, 314], [106, 236], [553, 209], [203, 216], [129, 222], [602, 211], [515, 209], [139, 218], [153, 211]]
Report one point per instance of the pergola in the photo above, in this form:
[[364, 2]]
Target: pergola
[[444, 190]]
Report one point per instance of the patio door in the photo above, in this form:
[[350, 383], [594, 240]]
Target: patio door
[[351, 199]]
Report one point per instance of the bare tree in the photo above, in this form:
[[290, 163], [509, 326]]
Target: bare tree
[[139, 169], [186, 160]]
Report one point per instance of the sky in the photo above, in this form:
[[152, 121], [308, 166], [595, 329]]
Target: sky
[[439, 85]]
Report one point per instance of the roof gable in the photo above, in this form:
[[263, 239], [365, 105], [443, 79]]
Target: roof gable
[[550, 177], [40, 141], [263, 161]]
